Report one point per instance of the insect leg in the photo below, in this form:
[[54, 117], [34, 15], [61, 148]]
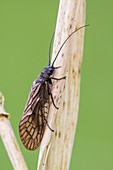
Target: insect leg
[[48, 125], [53, 101], [49, 93], [57, 67], [54, 78], [47, 122]]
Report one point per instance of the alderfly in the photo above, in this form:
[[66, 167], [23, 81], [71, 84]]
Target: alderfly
[[35, 116]]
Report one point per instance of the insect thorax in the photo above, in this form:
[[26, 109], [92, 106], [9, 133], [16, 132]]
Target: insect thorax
[[47, 72]]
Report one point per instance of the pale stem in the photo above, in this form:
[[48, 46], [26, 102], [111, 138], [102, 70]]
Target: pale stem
[[56, 147], [9, 139]]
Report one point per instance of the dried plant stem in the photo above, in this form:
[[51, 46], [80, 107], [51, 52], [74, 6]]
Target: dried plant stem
[[9, 139], [56, 148]]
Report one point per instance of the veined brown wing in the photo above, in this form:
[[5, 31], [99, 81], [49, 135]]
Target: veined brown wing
[[34, 120]]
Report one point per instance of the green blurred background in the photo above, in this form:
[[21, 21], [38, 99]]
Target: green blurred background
[[25, 31]]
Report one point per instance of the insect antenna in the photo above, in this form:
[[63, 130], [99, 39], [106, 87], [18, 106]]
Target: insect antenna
[[50, 45], [66, 41]]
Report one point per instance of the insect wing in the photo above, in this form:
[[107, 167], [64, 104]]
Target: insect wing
[[33, 122]]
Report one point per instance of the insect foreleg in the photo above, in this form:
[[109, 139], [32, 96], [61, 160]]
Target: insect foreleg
[[57, 67]]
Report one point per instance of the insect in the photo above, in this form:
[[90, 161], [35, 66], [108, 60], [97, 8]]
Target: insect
[[34, 119]]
